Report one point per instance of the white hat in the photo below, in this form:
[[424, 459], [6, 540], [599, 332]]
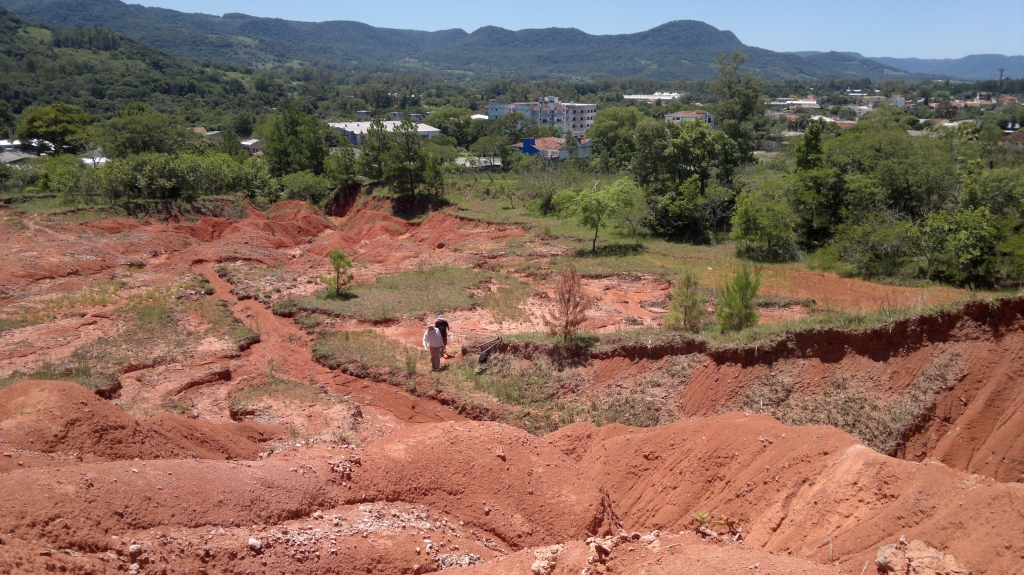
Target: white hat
[[440, 317]]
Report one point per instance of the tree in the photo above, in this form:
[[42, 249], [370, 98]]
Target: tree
[[489, 146], [632, 208], [295, 142], [373, 145], [650, 140], [698, 150], [306, 187], [735, 307], [341, 167], [808, 149], [514, 126], [958, 247], [592, 206], [571, 305], [612, 132], [763, 225], [341, 264], [740, 112], [137, 130], [405, 162], [6, 117], [454, 122], [687, 307], [244, 124], [231, 146], [62, 125]]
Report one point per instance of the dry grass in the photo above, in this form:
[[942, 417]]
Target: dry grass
[[882, 425]]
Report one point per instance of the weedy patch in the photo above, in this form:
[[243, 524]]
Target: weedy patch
[[366, 354], [407, 294], [245, 401], [883, 426]]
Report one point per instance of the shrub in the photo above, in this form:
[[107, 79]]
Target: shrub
[[307, 187], [736, 309], [571, 305], [764, 225], [687, 309], [880, 246]]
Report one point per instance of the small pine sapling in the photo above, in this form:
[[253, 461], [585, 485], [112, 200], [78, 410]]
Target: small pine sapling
[[687, 309], [571, 305], [736, 309], [341, 264]]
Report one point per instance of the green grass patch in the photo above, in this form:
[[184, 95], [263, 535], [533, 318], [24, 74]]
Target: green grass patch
[[75, 370], [506, 301], [417, 294], [367, 354]]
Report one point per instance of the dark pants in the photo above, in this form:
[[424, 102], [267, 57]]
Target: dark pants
[[435, 358]]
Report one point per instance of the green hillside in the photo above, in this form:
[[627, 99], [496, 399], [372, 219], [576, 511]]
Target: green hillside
[[102, 71], [673, 51]]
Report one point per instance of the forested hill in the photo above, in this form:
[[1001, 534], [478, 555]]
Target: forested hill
[[676, 50], [976, 67], [102, 71]]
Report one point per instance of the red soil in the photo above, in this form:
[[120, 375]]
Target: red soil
[[61, 417], [82, 482], [794, 487]]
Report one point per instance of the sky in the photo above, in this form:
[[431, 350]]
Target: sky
[[907, 29]]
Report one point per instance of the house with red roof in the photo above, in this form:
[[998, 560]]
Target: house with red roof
[[553, 148]]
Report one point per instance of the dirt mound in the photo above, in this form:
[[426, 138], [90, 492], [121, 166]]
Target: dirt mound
[[654, 554], [508, 482], [113, 225], [795, 489], [81, 507], [205, 230], [57, 416]]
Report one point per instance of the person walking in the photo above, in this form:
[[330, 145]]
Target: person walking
[[443, 328], [433, 343]]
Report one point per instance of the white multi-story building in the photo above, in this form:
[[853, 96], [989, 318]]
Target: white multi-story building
[[549, 111]]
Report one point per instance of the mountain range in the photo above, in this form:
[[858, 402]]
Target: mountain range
[[676, 50], [975, 67]]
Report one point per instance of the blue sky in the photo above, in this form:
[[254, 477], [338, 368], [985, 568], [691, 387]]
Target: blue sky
[[906, 29]]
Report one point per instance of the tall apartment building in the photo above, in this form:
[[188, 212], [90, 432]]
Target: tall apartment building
[[549, 111]]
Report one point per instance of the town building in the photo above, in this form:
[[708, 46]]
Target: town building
[[549, 111], [652, 98], [691, 116], [354, 131], [253, 147], [791, 103], [553, 148]]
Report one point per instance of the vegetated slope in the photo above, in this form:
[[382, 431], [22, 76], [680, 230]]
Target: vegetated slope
[[676, 50], [96, 69], [853, 65], [946, 386], [796, 489], [974, 67]]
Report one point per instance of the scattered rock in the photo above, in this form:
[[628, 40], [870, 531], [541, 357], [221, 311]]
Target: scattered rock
[[917, 558], [546, 559], [457, 560], [135, 550], [255, 545]]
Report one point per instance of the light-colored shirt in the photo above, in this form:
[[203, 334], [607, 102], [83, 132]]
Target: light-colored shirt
[[432, 338]]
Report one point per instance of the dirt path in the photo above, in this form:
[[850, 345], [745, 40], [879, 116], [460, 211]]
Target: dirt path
[[285, 349]]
